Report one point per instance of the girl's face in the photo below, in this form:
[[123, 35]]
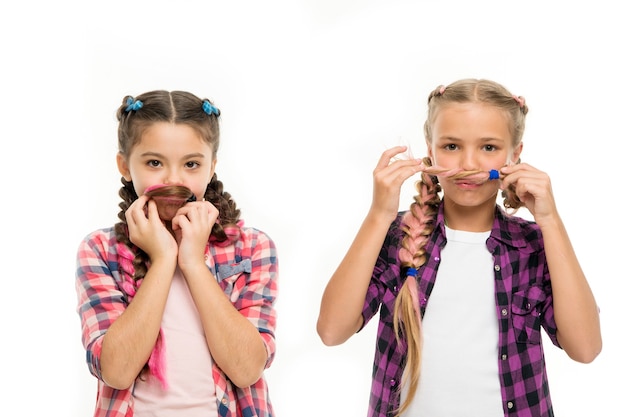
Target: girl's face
[[171, 154], [471, 136]]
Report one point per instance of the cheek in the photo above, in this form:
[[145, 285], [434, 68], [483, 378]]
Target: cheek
[[198, 189], [141, 183], [139, 187], [443, 160]]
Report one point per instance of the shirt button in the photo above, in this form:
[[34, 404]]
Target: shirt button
[[224, 401], [504, 312], [509, 405], [437, 258], [504, 357], [392, 382], [497, 268]]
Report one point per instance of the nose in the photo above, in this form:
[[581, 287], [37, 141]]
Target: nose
[[173, 177], [469, 160]]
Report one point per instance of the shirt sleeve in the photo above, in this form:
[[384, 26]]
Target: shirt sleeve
[[549, 323], [253, 286], [374, 292], [385, 278], [100, 301]]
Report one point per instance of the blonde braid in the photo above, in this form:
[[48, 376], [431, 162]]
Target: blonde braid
[[417, 226]]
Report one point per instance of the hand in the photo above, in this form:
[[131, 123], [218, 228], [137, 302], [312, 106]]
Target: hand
[[389, 175], [192, 227], [147, 231], [534, 189]]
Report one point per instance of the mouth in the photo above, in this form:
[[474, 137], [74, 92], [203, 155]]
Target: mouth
[[468, 184]]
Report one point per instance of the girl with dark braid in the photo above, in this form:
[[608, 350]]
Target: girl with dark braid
[[462, 286], [177, 300]]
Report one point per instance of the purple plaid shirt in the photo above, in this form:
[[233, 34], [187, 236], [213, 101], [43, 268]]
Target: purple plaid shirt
[[523, 297]]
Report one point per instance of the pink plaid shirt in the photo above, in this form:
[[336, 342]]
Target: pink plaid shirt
[[247, 272]]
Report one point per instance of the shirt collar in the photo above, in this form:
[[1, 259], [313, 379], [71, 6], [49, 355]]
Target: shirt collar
[[507, 229]]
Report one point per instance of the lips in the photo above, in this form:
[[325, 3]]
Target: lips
[[467, 184]]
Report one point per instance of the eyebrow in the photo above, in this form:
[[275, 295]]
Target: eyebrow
[[485, 139], [159, 155]]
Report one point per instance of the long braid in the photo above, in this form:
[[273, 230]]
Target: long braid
[[140, 259], [417, 226]]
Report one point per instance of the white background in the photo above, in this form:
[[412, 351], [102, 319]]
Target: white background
[[311, 92]]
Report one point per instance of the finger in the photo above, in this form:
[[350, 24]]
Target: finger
[[397, 172], [136, 212], [388, 154], [152, 210], [191, 210], [176, 222], [528, 174]]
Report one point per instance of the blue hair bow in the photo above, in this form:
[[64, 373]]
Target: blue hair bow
[[209, 108], [132, 104]]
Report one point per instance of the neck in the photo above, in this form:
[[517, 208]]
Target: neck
[[469, 219]]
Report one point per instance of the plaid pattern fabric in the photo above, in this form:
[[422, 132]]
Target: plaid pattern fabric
[[247, 272], [523, 297]]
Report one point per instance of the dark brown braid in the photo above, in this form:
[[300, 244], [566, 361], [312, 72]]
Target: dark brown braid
[[229, 213], [128, 195]]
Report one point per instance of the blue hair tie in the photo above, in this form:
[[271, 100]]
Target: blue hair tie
[[209, 108], [411, 272], [132, 104], [494, 174]]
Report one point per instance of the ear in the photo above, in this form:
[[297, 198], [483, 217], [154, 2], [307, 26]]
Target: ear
[[429, 152], [122, 166], [213, 163], [517, 152]]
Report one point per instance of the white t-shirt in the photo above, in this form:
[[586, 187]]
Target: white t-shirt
[[459, 376], [188, 363]]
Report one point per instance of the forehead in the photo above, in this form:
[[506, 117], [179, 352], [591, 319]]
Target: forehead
[[171, 136], [471, 120]]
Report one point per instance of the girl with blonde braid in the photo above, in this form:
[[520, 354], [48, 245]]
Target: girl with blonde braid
[[177, 299], [462, 286]]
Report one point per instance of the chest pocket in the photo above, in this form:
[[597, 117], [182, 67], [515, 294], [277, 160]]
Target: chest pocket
[[526, 307]]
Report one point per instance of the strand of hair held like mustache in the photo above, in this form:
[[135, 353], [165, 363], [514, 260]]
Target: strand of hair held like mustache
[[171, 192], [477, 177], [510, 201]]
